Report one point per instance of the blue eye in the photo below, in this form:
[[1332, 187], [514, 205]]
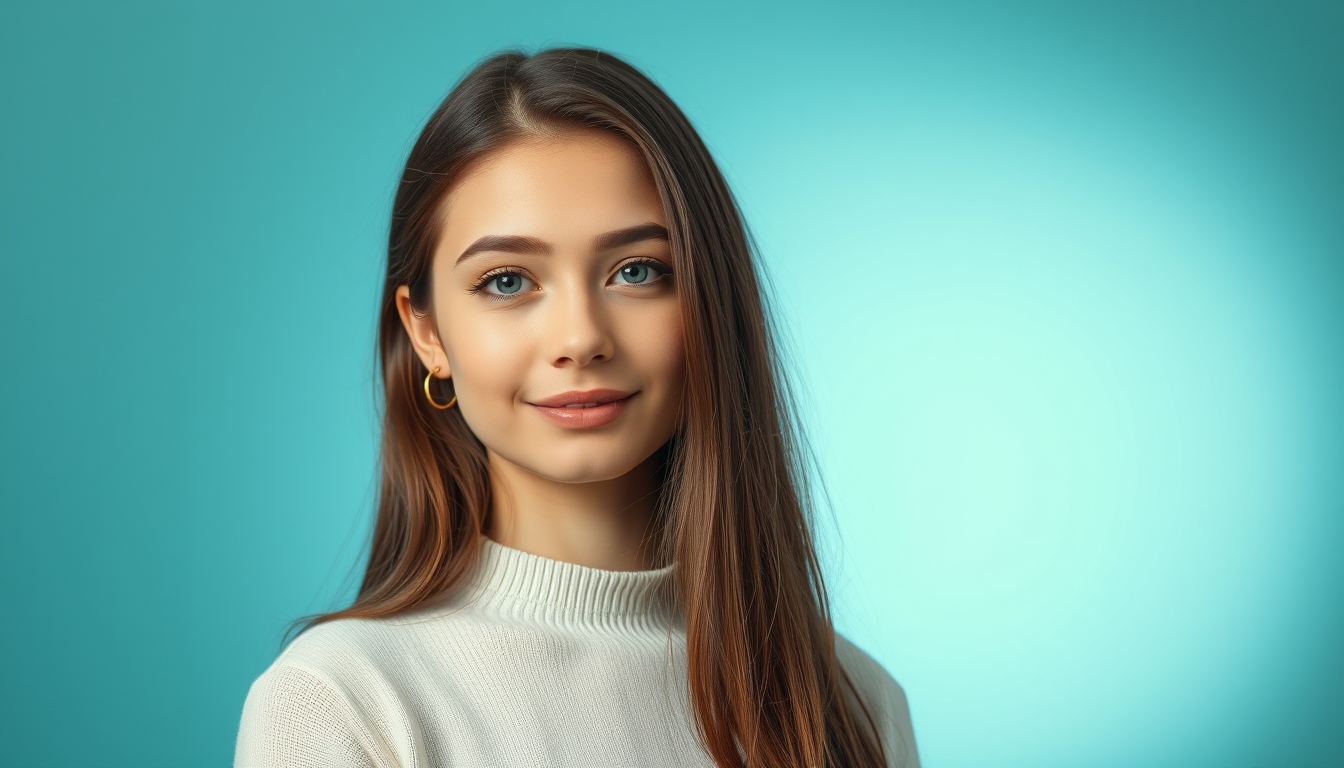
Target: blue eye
[[635, 273], [638, 273], [506, 284]]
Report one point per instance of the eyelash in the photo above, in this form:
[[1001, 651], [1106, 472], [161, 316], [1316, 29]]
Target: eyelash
[[491, 275], [662, 269]]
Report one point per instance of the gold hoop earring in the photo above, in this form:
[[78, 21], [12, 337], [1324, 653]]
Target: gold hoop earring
[[430, 397]]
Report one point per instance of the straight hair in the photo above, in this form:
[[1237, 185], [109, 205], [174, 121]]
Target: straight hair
[[734, 510]]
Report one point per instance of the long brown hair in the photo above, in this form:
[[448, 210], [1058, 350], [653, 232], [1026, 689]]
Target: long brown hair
[[764, 681]]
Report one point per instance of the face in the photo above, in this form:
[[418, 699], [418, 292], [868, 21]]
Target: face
[[555, 307]]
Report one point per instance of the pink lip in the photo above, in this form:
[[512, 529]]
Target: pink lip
[[584, 410]]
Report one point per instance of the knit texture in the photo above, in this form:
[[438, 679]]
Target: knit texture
[[532, 662]]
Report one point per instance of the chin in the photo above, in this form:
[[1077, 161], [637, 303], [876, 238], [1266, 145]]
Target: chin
[[588, 468]]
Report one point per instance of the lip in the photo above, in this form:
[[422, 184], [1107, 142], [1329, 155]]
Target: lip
[[587, 409]]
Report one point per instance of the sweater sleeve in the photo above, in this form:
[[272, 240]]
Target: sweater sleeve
[[293, 718], [886, 700]]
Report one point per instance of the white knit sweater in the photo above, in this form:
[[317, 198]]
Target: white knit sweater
[[535, 663]]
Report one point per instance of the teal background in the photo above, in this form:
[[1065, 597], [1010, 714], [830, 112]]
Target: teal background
[[1065, 290]]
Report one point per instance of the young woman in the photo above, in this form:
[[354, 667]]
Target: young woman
[[592, 544]]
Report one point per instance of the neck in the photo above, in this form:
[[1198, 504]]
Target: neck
[[605, 524]]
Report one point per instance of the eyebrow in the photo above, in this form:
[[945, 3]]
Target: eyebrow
[[630, 235], [537, 247], [507, 244]]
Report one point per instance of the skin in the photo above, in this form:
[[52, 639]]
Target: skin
[[513, 328]]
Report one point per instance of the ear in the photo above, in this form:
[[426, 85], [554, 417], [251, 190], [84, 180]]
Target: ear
[[424, 336]]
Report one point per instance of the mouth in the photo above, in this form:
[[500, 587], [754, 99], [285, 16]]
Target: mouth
[[584, 409]]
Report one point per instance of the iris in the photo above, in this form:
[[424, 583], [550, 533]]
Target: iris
[[635, 273], [507, 283]]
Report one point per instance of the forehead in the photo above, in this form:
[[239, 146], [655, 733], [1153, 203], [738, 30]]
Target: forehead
[[565, 187]]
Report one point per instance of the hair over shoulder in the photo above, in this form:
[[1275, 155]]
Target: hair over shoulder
[[734, 512]]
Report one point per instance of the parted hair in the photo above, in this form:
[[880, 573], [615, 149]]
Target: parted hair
[[734, 510]]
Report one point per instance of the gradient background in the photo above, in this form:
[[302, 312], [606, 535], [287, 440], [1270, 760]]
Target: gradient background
[[1065, 289]]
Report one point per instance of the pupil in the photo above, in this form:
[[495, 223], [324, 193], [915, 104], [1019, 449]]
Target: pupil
[[636, 273]]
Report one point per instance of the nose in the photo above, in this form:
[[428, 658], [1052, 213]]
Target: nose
[[578, 333]]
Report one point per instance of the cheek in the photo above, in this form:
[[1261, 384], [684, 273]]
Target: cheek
[[656, 347], [489, 358]]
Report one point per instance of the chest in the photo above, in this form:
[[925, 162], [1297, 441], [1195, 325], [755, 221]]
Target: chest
[[499, 694]]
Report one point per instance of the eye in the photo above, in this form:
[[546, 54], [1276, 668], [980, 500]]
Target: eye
[[507, 283], [502, 284], [640, 273]]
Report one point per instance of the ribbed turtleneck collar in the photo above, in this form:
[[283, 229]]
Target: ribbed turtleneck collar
[[528, 586]]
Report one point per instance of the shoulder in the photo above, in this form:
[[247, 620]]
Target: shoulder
[[320, 701], [885, 699], [342, 648], [353, 657]]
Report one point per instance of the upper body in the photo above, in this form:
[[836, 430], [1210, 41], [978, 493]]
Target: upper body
[[534, 662], [580, 393]]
